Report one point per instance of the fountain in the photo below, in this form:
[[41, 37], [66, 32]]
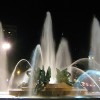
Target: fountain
[[44, 55], [50, 58], [94, 46], [24, 78], [3, 64], [85, 79]]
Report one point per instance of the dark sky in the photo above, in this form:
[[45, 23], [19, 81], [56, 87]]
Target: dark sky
[[73, 19]]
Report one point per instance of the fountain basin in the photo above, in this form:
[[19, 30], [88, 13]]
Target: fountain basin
[[17, 92], [59, 89]]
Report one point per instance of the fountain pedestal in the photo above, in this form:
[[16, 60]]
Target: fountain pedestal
[[61, 89], [19, 92]]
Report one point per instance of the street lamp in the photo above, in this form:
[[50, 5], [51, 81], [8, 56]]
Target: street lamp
[[6, 46]]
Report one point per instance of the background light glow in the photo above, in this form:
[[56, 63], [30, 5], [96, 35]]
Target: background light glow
[[6, 45]]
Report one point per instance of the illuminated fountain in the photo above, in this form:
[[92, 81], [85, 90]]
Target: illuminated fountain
[[91, 78], [94, 55], [84, 82], [50, 57], [3, 62], [86, 79], [44, 54]]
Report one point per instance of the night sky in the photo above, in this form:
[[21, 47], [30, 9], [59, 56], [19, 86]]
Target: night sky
[[73, 19]]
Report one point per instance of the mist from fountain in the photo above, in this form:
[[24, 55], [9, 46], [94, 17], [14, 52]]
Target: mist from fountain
[[94, 53], [63, 53], [36, 62], [3, 63], [50, 58], [89, 80], [85, 79], [18, 76], [48, 45]]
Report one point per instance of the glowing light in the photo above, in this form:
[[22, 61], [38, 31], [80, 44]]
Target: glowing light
[[9, 32], [18, 72], [6, 46], [52, 81], [91, 57]]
